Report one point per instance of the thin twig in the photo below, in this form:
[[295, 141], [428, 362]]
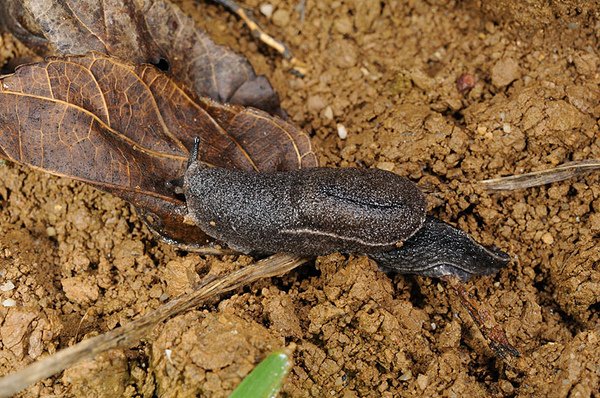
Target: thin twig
[[298, 67], [485, 321], [131, 333], [542, 177]]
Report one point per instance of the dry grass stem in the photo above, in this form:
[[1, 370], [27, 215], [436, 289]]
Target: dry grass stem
[[542, 177]]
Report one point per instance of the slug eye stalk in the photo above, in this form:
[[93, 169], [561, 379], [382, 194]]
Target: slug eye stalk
[[194, 152]]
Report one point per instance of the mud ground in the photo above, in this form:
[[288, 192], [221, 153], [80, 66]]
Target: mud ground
[[75, 262]]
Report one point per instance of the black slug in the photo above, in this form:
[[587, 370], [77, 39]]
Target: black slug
[[317, 211]]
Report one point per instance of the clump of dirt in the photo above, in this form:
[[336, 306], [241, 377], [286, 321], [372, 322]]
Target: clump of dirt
[[577, 282], [447, 94], [111, 375], [206, 354]]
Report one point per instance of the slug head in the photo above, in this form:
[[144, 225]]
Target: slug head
[[176, 184], [438, 250]]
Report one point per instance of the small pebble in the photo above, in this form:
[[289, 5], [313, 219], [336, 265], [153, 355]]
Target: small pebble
[[405, 376], [281, 18], [168, 355], [387, 166], [465, 83], [422, 381], [343, 53], [506, 386], [506, 128], [422, 80], [9, 303], [547, 238], [341, 130], [505, 71], [7, 286], [343, 25], [51, 231], [266, 9], [328, 113], [315, 103]]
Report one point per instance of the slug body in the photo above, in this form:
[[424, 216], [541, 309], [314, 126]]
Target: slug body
[[313, 211]]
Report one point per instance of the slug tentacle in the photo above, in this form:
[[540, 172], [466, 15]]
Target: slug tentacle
[[194, 152], [438, 250]]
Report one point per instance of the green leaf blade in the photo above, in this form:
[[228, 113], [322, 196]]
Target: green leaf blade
[[266, 379]]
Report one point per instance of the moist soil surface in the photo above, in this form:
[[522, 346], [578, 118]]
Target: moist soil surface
[[445, 93]]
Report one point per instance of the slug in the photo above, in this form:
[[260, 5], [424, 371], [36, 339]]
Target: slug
[[311, 212], [317, 211]]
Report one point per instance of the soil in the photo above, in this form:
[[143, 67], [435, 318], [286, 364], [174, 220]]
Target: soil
[[445, 93]]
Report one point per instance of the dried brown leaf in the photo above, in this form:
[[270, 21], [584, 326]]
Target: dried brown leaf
[[142, 31], [127, 129]]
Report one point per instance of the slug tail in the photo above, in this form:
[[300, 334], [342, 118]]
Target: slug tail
[[439, 250]]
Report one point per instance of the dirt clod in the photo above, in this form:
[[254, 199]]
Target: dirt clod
[[577, 279], [208, 354], [106, 376], [505, 71]]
